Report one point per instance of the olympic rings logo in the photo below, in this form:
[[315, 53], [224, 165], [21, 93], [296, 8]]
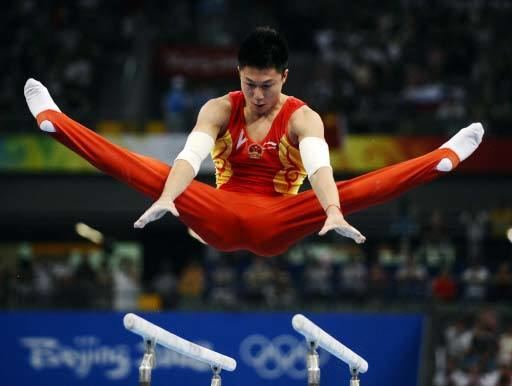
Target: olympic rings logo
[[273, 358]]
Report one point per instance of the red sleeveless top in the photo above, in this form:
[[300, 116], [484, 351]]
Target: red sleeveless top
[[272, 166]]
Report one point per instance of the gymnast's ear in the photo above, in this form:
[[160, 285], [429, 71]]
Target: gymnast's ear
[[284, 75]]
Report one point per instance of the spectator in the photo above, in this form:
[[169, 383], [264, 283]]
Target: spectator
[[317, 279], [476, 229], [126, 285], [85, 285], [505, 346], [44, 283], [436, 250], [405, 225], [444, 287], [475, 279], [258, 281], [24, 283], [500, 220], [191, 284], [175, 105], [379, 283], [223, 285], [411, 279], [353, 278], [436, 253], [502, 283], [105, 282], [286, 295], [165, 285], [458, 337]]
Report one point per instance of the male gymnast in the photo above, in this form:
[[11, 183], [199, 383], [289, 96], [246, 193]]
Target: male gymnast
[[263, 144]]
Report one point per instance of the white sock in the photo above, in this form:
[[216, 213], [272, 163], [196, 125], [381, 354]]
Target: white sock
[[38, 98], [445, 165], [464, 143]]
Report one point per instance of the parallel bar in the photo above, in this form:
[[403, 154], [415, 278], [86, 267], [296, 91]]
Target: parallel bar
[[148, 330], [313, 333]]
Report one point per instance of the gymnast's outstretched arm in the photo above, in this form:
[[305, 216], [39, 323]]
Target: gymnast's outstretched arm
[[213, 117], [308, 129]]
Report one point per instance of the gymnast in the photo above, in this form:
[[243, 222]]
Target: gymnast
[[263, 144]]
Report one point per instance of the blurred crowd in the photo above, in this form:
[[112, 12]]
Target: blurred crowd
[[475, 350], [416, 262], [74, 280], [66, 46], [413, 66]]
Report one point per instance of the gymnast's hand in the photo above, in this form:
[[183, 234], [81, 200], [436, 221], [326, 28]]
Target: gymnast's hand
[[335, 221], [156, 211]]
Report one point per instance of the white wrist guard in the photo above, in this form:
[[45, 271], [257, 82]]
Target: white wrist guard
[[314, 153], [196, 149]]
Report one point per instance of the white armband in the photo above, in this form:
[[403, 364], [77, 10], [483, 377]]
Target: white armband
[[314, 152], [196, 149]]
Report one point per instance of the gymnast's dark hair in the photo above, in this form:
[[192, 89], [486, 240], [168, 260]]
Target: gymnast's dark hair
[[264, 48]]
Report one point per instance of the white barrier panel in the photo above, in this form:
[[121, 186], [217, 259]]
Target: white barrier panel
[[148, 330], [312, 332]]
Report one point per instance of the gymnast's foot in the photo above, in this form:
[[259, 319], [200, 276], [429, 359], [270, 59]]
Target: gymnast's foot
[[39, 100], [464, 143]]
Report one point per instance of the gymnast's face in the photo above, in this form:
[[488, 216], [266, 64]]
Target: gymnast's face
[[261, 88]]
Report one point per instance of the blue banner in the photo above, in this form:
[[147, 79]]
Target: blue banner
[[39, 349]]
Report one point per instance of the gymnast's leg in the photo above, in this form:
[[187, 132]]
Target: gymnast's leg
[[301, 215], [198, 205]]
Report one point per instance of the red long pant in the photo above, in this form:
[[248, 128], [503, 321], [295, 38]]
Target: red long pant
[[265, 225]]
